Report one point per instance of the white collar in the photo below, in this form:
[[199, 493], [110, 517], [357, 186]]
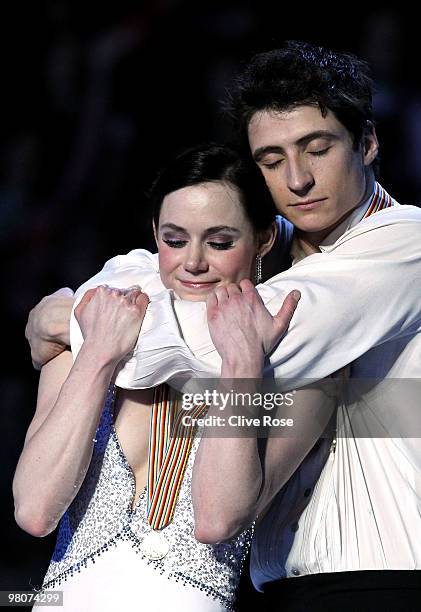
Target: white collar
[[377, 200]]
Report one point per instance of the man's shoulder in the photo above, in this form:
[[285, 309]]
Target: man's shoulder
[[393, 230], [395, 219], [402, 211]]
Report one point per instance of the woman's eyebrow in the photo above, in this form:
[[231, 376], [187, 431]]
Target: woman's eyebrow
[[221, 228], [208, 231], [172, 226]]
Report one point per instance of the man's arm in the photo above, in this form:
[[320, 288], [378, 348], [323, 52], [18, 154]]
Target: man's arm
[[360, 293], [48, 326], [232, 481]]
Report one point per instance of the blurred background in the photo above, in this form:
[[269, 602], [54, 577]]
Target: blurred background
[[96, 98]]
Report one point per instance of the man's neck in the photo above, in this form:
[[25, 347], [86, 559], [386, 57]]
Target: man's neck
[[315, 239]]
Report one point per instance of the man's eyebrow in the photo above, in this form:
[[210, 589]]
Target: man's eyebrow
[[304, 140], [209, 231]]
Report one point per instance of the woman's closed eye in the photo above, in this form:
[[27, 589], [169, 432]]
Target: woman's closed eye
[[221, 246], [218, 246], [175, 244]]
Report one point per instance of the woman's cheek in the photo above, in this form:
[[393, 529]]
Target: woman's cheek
[[168, 261], [235, 265]]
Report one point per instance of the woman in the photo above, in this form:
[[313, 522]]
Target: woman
[[101, 459]]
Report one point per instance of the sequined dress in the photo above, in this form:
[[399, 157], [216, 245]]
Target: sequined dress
[[98, 562]]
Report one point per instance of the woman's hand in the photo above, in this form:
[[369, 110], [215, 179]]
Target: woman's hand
[[243, 330], [110, 320], [47, 329]]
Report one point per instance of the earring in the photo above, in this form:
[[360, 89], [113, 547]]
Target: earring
[[258, 278]]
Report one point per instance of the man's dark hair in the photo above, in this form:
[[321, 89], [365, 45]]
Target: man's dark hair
[[212, 162], [301, 73]]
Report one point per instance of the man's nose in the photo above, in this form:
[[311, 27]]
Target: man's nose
[[300, 178], [195, 260]]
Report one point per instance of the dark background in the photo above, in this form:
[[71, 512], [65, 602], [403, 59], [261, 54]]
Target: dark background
[[94, 101]]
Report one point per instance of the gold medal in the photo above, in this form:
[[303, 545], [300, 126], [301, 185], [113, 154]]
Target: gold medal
[[155, 545]]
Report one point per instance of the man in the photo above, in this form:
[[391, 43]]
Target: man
[[307, 116]]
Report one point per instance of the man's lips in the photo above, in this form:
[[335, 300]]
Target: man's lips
[[308, 204]]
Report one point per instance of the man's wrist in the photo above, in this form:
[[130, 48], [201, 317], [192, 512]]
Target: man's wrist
[[242, 369]]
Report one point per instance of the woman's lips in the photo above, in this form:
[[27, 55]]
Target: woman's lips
[[197, 286]]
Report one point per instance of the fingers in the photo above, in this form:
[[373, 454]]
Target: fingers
[[131, 295], [141, 301], [221, 295], [136, 297], [233, 290], [211, 301], [247, 286], [86, 298], [250, 292], [283, 317]]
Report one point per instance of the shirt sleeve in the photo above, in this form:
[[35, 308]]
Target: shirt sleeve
[[357, 294]]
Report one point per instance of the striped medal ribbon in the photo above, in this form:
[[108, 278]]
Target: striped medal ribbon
[[169, 449], [170, 441], [379, 200]]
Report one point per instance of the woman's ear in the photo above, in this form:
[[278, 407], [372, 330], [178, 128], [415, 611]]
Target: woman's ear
[[155, 233], [267, 239]]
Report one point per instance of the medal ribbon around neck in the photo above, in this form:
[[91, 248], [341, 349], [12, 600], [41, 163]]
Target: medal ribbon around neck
[[169, 449], [170, 441], [379, 200]]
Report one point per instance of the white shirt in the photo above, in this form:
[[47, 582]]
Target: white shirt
[[372, 271], [361, 303], [364, 512]]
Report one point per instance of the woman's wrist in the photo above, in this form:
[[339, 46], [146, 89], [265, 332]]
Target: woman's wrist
[[97, 356]]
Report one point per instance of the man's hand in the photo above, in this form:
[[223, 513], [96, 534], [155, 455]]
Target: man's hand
[[243, 330], [47, 329]]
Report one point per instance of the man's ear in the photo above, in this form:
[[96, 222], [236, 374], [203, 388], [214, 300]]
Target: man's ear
[[267, 239], [155, 233], [370, 144]]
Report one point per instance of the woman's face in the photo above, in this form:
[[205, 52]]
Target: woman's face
[[204, 240]]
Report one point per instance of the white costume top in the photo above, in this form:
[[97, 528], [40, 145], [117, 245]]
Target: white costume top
[[361, 303], [99, 562]]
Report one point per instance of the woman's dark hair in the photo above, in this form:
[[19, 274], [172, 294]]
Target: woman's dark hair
[[301, 73], [215, 162]]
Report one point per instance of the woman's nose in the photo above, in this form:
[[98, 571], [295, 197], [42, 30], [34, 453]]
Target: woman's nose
[[195, 260]]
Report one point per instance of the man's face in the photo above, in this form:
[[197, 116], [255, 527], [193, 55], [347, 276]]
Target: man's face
[[315, 175]]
